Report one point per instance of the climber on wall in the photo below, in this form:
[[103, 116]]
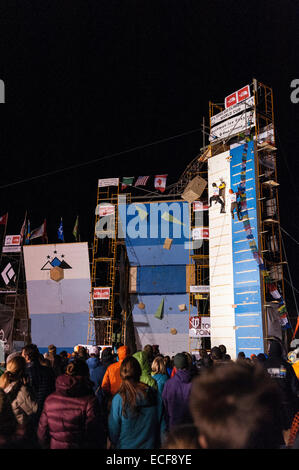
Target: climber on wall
[[235, 204], [217, 198]]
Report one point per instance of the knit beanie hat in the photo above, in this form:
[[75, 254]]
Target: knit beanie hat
[[180, 361]]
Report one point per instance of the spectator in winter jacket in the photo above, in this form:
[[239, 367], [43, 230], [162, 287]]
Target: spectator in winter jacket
[[133, 419], [11, 434], [284, 376], [55, 360], [176, 393], [146, 376], [64, 360], [22, 401], [107, 358], [161, 377], [40, 378], [236, 407], [72, 417], [94, 366], [112, 381]]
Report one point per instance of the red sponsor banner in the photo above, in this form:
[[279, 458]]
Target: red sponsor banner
[[231, 100], [13, 240], [199, 327], [106, 210], [101, 293], [199, 233], [243, 93], [237, 96], [200, 206]]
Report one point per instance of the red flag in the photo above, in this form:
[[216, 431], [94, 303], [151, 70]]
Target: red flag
[[3, 219], [160, 182]]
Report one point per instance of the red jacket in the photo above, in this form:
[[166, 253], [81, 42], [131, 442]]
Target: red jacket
[[71, 417]]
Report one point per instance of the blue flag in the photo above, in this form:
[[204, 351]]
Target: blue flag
[[27, 239], [60, 231]]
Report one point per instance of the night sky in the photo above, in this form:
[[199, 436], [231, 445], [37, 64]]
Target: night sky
[[93, 78]]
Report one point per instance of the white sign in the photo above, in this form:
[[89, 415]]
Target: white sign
[[11, 249], [108, 182], [200, 233], [199, 206], [106, 210], [101, 293], [200, 289], [232, 111], [233, 126], [12, 240], [199, 327]]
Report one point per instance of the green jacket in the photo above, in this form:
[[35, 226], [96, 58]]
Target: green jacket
[[146, 377]]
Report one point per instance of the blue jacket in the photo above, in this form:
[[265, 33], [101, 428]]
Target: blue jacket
[[139, 431], [161, 380], [94, 366]]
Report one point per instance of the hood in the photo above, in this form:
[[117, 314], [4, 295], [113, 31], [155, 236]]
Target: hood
[[93, 362], [122, 352], [141, 357], [275, 349], [183, 375], [76, 386]]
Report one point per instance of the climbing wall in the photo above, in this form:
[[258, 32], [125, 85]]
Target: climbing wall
[[156, 237], [235, 283], [246, 258], [221, 259]]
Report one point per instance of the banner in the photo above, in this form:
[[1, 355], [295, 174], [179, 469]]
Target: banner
[[200, 233], [101, 293], [232, 111], [199, 206], [12, 244], [108, 182], [233, 126], [200, 289], [237, 96], [199, 327], [6, 327]]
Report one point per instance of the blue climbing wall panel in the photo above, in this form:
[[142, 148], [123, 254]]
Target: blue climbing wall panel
[[247, 282]]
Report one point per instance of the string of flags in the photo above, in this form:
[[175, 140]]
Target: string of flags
[[159, 182], [26, 234], [272, 289]]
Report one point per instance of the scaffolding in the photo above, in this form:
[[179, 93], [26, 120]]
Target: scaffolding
[[107, 320], [263, 133]]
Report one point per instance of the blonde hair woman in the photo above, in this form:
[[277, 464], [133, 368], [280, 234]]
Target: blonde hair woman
[[13, 383], [159, 373]]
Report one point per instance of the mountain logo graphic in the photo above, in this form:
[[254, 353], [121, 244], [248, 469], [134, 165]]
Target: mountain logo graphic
[[55, 262]]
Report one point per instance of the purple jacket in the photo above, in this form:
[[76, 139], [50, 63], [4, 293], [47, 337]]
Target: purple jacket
[[71, 417], [175, 397]]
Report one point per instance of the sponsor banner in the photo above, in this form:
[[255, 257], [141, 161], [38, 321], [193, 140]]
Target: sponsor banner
[[101, 293], [237, 96], [243, 93], [200, 233], [200, 206], [11, 249], [199, 327], [73, 258], [12, 240], [233, 126], [106, 210], [232, 111], [108, 182], [200, 289]]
